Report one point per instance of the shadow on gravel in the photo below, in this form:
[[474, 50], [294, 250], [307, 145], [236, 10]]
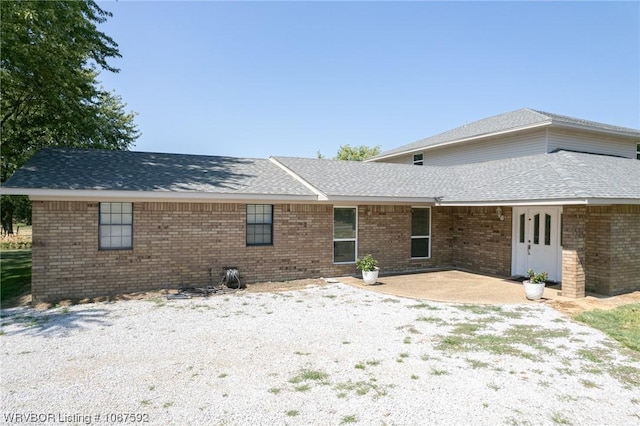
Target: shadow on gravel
[[53, 323]]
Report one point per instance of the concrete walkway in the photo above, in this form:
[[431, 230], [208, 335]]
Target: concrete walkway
[[465, 287]]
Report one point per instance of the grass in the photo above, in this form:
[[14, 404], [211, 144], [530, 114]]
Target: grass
[[622, 323], [15, 269], [309, 375], [348, 419]]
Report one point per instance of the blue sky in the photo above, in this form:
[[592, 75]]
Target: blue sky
[[254, 79]]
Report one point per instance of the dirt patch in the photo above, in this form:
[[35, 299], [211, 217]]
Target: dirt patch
[[262, 287], [576, 307]]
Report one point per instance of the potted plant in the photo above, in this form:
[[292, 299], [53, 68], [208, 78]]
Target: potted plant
[[369, 267], [534, 286]]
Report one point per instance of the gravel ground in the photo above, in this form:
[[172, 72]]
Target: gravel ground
[[333, 354]]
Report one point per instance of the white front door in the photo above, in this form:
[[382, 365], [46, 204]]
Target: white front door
[[536, 241]]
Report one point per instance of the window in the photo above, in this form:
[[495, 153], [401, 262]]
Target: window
[[259, 224], [638, 151], [418, 159], [420, 232], [116, 226], [345, 230]]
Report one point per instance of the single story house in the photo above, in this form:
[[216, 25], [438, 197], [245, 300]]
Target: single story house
[[522, 190]]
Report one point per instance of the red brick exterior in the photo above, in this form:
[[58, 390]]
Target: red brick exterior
[[481, 242], [177, 244], [601, 246]]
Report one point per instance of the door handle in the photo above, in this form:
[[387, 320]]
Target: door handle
[[529, 249]]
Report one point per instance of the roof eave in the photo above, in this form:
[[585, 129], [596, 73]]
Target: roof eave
[[541, 202], [150, 196], [378, 200], [613, 132], [462, 140]]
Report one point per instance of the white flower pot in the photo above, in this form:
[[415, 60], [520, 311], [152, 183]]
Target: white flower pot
[[533, 291], [370, 277]]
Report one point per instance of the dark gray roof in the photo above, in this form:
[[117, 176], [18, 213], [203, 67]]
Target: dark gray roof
[[554, 177], [546, 177], [514, 120], [89, 169], [337, 178]]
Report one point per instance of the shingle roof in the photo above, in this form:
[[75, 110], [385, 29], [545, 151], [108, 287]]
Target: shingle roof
[[510, 121], [88, 169], [554, 177], [337, 178], [547, 177]]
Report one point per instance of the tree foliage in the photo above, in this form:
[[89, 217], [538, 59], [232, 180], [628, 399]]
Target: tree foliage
[[356, 153], [51, 54]]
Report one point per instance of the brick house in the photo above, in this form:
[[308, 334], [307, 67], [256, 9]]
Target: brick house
[[539, 190]]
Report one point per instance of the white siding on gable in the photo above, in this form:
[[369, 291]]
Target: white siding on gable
[[587, 142], [496, 148]]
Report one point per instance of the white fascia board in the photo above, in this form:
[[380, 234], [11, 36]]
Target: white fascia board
[[631, 134], [87, 194], [380, 200], [611, 201], [569, 201], [467, 139], [321, 195], [555, 202]]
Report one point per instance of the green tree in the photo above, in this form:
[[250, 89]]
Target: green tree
[[356, 153], [51, 54]]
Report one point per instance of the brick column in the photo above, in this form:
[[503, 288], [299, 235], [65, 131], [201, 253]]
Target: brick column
[[573, 251]]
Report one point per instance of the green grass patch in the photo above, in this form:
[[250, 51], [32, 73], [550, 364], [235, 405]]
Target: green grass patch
[[509, 343], [432, 319], [480, 309], [293, 413], [425, 306], [622, 323], [348, 419], [15, 269], [310, 376], [360, 388]]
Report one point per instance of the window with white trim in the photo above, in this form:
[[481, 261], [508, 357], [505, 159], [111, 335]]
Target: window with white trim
[[345, 231], [418, 159], [116, 226], [420, 232], [259, 224]]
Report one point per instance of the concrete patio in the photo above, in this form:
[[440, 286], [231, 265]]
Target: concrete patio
[[465, 287]]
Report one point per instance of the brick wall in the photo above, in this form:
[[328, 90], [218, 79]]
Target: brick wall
[[480, 241], [385, 232], [573, 251], [176, 244], [612, 249], [601, 248]]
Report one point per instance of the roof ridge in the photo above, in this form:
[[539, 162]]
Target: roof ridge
[[565, 176]]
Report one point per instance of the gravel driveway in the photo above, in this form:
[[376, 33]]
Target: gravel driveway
[[323, 355]]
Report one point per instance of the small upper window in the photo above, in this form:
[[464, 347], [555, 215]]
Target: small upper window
[[418, 159], [116, 226], [259, 224]]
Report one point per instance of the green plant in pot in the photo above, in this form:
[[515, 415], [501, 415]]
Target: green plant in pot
[[369, 267], [534, 286]]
